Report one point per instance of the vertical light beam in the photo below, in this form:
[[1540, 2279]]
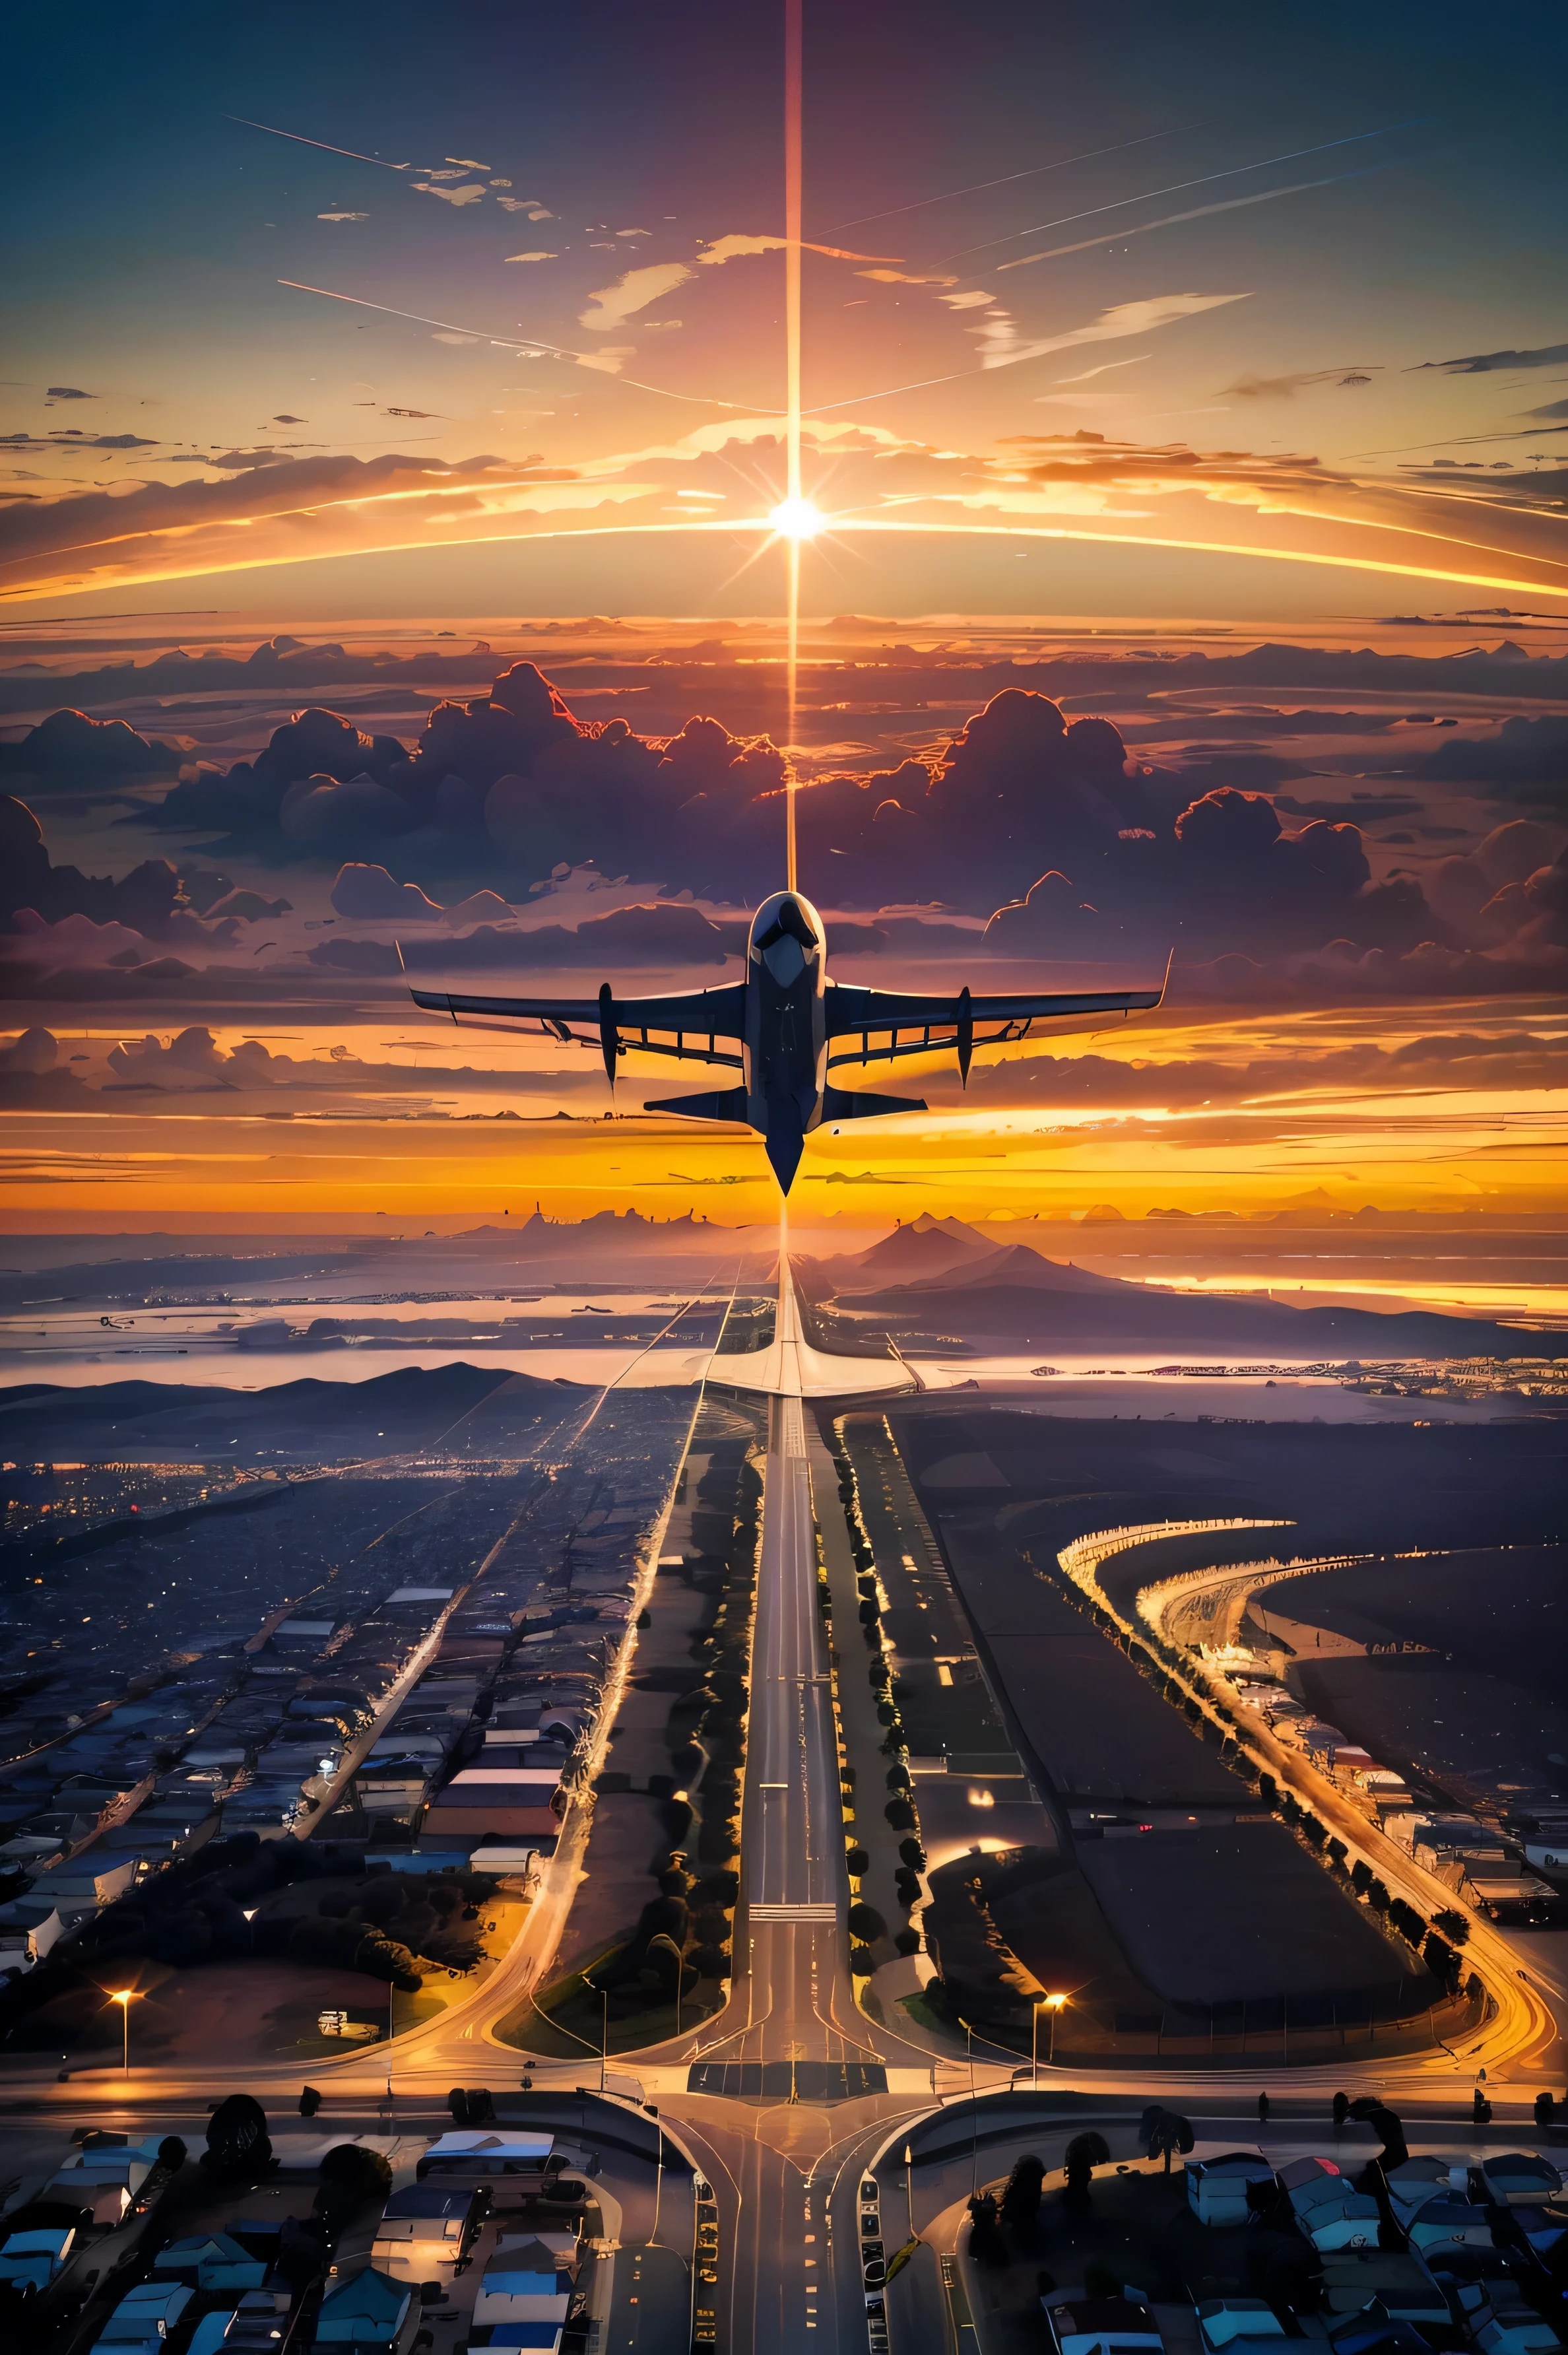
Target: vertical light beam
[[792, 404]]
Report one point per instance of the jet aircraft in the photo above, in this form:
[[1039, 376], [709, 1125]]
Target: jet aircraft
[[785, 1028]]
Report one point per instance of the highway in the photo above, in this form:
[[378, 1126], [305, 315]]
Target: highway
[[1522, 1968]]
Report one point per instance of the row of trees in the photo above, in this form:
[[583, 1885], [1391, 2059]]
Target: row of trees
[[866, 1925]]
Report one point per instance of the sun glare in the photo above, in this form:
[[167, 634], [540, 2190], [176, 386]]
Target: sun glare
[[796, 518]]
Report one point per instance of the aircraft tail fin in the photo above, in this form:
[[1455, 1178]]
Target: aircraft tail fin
[[720, 1104], [844, 1104]]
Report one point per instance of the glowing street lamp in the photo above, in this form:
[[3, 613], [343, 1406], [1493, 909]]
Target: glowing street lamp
[[1053, 2003], [124, 1998]]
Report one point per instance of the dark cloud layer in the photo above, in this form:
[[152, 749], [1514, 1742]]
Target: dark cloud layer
[[1039, 825]]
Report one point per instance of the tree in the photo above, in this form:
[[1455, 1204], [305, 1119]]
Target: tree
[[912, 1853], [237, 2145], [1161, 2131], [866, 1924], [987, 2245], [453, 1950], [901, 1815], [1454, 1926], [1084, 2152], [1020, 2200], [383, 1958], [349, 2176], [857, 1861]]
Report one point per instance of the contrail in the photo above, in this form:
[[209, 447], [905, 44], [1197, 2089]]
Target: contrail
[[1177, 186], [1198, 212], [325, 144], [559, 351], [1032, 173]]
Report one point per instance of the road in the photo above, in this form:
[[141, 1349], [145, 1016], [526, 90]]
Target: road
[[789, 2095], [1524, 1968]]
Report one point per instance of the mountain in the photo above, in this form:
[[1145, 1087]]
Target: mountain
[[918, 1250], [1016, 1296], [306, 1421], [1017, 1264]]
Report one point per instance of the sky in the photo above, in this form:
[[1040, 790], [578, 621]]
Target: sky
[[361, 358], [1304, 288]]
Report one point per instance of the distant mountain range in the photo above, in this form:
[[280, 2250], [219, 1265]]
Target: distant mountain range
[[467, 1408], [938, 1274]]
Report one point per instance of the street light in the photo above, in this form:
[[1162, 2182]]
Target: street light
[[124, 1998], [909, 2187], [1053, 2003]]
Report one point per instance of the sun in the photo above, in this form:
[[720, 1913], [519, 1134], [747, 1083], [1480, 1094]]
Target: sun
[[796, 518]]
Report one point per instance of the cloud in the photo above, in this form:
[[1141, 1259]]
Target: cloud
[[291, 420], [1549, 408], [1104, 369], [291, 506], [1526, 757], [369, 893], [1171, 220], [76, 440], [70, 940], [1447, 1061], [70, 747], [659, 936], [531, 256], [1344, 974], [343, 216], [1283, 388], [1137, 318], [734, 248], [903, 278], [33, 1053], [67, 392], [631, 293], [974, 301], [469, 196], [1484, 363]]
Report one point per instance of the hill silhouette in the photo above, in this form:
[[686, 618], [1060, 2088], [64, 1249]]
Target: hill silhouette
[[1016, 1295]]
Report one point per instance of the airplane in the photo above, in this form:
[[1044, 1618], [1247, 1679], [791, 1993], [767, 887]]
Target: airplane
[[785, 1028]]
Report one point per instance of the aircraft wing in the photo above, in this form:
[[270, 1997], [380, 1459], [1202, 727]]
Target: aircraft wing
[[691, 1024], [863, 1015]]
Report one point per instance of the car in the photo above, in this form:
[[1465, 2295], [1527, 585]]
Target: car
[[1079, 2325]]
